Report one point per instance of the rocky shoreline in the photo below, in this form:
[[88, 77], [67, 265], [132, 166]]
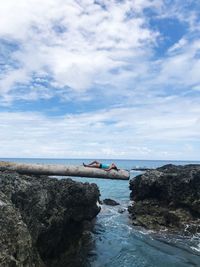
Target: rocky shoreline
[[167, 198], [44, 221]]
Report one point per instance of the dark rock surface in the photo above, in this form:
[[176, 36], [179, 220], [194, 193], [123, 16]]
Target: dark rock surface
[[42, 220], [121, 210], [168, 197], [110, 202]]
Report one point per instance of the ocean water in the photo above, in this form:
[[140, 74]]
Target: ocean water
[[119, 244]]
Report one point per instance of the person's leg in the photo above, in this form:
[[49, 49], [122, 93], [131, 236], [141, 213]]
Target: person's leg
[[94, 164]]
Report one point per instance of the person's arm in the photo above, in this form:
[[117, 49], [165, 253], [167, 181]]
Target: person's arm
[[108, 169], [112, 167]]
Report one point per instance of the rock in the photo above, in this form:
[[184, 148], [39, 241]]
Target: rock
[[168, 197], [121, 210], [15, 240], [43, 220], [110, 202]]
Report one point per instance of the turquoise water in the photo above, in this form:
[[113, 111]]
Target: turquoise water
[[117, 242]]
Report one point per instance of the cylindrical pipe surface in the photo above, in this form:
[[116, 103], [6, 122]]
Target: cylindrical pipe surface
[[64, 170]]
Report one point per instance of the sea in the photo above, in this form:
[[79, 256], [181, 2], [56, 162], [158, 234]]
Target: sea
[[116, 242]]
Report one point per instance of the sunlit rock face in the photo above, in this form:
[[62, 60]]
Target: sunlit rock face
[[42, 220], [167, 198]]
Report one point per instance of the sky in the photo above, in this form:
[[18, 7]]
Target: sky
[[115, 79]]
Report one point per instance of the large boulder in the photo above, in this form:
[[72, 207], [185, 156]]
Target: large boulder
[[168, 197], [42, 220]]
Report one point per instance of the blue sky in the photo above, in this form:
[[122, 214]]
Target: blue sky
[[100, 79]]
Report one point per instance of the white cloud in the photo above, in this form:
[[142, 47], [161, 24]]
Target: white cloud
[[73, 41], [78, 43], [110, 48], [182, 67], [163, 131]]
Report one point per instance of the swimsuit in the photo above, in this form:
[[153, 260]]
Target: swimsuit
[[104, 166]]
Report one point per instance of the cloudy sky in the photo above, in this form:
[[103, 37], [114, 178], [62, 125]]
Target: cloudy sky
[[100, 79]]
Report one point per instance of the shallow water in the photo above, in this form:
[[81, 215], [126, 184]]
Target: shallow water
[[118, 243]]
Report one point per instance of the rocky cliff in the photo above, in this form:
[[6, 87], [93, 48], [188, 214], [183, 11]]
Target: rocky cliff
[[42, 220], [168, 197]]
